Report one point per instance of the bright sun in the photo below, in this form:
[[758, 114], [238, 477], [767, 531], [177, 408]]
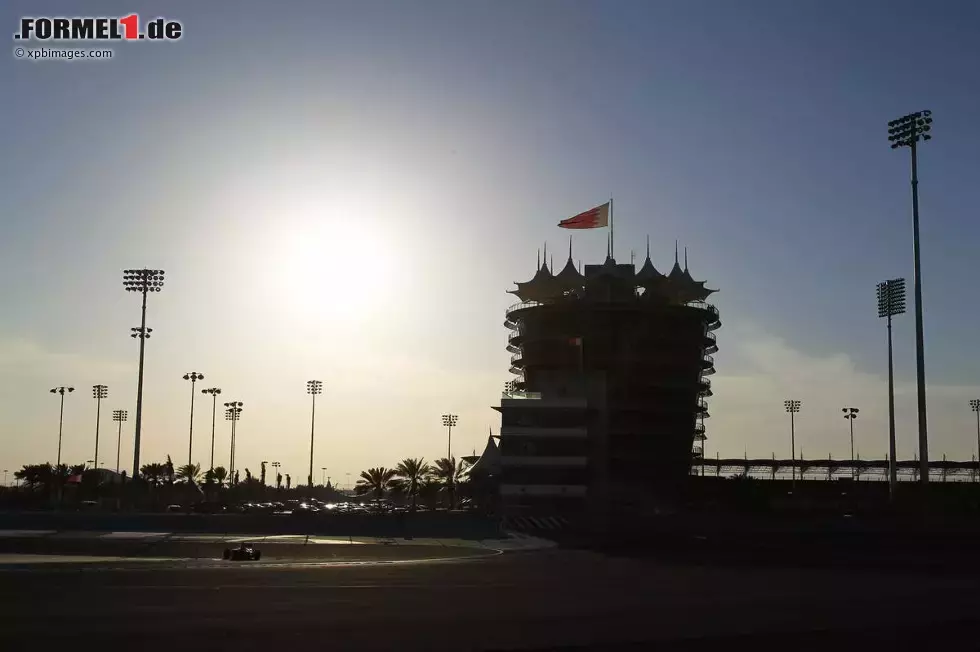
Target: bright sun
[[339, 270]]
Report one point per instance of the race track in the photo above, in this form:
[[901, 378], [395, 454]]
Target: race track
[[527, 600]]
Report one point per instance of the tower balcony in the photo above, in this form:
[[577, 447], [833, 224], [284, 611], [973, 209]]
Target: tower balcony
[[714, 318], [522, 305], [707, 364], [711, 345], [704, 388]]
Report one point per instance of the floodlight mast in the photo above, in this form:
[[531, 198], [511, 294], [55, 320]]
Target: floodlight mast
[[907, 131], [891, 302], [143, 281]]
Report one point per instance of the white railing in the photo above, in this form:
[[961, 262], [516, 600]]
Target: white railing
[[703, 305], [522, 305], [522, 395]]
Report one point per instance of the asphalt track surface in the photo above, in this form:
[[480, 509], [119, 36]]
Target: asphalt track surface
[[547, 599], [208, 550]]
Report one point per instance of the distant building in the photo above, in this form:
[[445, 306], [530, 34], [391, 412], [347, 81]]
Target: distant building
[[608, 402]]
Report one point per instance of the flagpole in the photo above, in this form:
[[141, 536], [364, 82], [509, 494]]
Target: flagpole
[[612, 232]]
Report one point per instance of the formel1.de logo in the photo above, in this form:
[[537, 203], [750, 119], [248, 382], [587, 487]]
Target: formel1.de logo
[[126, 28]]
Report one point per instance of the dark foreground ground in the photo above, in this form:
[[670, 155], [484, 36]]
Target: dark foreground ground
[[531, 600]]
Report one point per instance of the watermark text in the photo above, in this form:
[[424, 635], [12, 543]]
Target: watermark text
[[61, 54]]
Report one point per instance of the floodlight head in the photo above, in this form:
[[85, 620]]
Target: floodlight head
[[891, 297], [314, 387], [143, 280], [975, 404], [909, 129]]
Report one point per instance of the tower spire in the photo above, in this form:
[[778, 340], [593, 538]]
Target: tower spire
[[569, 246], [675, 252], [608, 246], [685, 259], [538, 265], [545, 254], [648, 247]]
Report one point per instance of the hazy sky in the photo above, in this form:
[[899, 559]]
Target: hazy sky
[[346, 191]]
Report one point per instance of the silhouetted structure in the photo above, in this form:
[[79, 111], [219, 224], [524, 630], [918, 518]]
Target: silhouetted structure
[[907, 131], [611, 369], [828, 468]]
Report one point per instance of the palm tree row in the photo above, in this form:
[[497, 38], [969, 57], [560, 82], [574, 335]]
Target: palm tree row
[[413, 477], [39, 475]]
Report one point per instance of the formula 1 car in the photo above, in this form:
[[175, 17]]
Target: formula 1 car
[[245, 552]]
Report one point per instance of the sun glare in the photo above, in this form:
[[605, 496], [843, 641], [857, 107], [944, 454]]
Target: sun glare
[[330, 269]]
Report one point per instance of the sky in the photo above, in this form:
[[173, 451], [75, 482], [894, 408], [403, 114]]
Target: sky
[[346, 191]]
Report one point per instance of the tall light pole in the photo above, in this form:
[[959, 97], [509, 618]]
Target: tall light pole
[[233, 411], [119, 416], [323, 475], [313, 387], [793, 407], [975, 406], [193, 377], [61, 417], [276, 466], [907, 131], [214, 392], [449, 420], [143, 281], [851, 414], [99, 392], [891, 302]]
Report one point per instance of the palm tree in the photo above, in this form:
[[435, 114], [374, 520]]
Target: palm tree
[[411, 472], [220, 475], [35, 475], [189, 472], [376, 479], [448, 471], [429, 491], [154, 472]]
